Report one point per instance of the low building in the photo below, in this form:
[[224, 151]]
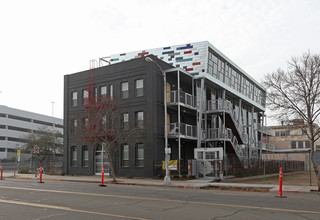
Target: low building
[[16, 125], [289, 142]]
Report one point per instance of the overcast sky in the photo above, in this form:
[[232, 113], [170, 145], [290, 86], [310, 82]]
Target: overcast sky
[[41, 41]]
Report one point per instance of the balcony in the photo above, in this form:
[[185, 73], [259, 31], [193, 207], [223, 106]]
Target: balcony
[[177, 96], [185, 131]]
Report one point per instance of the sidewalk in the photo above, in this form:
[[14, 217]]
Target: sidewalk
[[186, 184]]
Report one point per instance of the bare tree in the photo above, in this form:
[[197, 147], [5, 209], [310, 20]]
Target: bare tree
[[103, 122], [296, 94]]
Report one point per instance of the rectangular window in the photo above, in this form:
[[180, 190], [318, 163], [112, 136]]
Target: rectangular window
[[308, 144], [125, 121], [300, 144], [85, 156], [304, 132], [95, 95], [85, 96], [74, 98], [139, 120], [287, 132], [103, 90], [124, 90], [277, 133], [139, 155], [74, 125], [139, 87], [293, 145], [74, 157], [111, 92], [125, 155]]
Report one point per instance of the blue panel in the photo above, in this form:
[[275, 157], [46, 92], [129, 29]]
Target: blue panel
[[186, 47], [166, 48], [196, 53]]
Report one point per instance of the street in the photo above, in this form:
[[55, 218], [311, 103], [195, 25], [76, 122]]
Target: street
[[28, 199]]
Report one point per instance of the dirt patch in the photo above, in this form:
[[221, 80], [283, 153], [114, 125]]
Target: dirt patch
[[294, 179], [232, 188]]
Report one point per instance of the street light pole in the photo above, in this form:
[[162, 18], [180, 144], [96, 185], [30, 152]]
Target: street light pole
[[167, 179], [52, 107]]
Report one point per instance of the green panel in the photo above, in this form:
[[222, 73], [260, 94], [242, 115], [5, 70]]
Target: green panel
[[115, 59], [184, 60], [167, 52]]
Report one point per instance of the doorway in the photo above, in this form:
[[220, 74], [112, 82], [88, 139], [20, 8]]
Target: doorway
[[209, 162], [101, 158]]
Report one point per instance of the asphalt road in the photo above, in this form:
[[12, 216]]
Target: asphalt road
[[28, 199]]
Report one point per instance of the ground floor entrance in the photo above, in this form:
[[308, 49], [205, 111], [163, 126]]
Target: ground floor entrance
[[100, 159], [209, 163]]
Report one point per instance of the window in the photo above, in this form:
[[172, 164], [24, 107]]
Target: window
[[277, 133], [85, 96], [283, 133], [95, 95], [139, 120], [293, 145], [125, 155], [125, 121], [124, 90], [287, 132], [85, 156], [300, 144], [74, 125], [304, 132], [74, 157], [139, 87], [103, 90], [139, 155], [308, 144], [111, 92], [84, 122], [74, 101]]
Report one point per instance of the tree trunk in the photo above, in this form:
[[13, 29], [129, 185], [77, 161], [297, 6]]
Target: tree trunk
[[111, 165], [316, 169]]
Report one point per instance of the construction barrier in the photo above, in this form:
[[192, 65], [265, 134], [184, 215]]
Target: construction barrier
[[102, 177]]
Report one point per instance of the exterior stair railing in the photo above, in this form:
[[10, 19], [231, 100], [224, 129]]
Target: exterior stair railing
[[226, 105], [220, 133]]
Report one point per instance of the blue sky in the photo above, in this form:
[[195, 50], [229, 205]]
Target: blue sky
[[41, 41]]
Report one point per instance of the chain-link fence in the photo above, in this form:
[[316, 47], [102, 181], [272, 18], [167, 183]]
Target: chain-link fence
[[234, 168], [52, 165]]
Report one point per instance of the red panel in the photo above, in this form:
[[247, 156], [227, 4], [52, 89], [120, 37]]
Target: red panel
[[189, 69], [186, 52], [144, 53], [197, 63]]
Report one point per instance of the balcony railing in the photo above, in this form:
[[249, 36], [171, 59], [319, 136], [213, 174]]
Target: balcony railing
[[178, 96], [185, 130]]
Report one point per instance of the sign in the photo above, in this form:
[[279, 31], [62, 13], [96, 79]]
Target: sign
[[36, 149], [18, 153], [172, 165]]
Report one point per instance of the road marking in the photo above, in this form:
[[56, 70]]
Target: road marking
[[164, 200], [65, 209]]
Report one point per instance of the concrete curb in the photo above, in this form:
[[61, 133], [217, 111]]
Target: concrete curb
[[191, 184]]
